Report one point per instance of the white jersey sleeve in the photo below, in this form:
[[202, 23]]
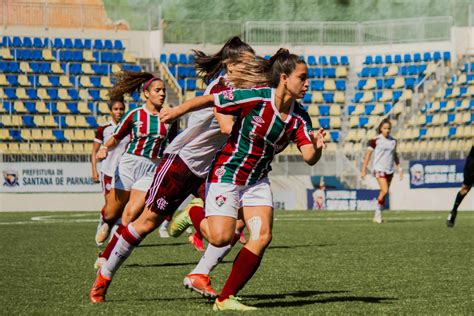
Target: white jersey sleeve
[[109, 164]]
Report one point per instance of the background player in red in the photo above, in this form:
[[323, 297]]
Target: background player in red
[[268, 118], [183, 169], [383, 147], [108, 165]]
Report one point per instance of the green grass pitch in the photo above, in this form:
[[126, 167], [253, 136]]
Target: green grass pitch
[[317, 263]]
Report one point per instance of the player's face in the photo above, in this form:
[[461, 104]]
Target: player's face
[[385, 129], [156, 93], [117, 110], [297, 82]]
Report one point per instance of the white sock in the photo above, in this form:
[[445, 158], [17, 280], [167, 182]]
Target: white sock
[[119, 254], [211, 258], [164, 225], [378, 210]]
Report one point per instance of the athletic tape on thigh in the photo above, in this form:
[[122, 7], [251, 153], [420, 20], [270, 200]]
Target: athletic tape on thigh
[[255, 225]]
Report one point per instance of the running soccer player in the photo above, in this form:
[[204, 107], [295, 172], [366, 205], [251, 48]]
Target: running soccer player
[[108, 165], [183, 171], [466, 187], [383, 147]]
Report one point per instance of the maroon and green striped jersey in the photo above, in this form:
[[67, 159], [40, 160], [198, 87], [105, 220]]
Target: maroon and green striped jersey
[[148, 136], [258, 134]]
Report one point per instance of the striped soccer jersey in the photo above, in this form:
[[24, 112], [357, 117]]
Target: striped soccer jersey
[[384, 153], [102, 135], [199, 142], [257, 136], [147, 134]]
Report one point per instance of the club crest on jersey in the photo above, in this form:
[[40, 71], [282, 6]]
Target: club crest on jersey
[[220, 200], [219, 172], [228, 94], [257, 120]]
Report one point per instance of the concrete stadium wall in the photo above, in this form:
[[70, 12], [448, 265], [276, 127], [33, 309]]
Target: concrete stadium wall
[[18, 202]]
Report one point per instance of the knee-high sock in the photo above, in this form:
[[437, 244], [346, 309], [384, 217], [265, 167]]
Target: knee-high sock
[[457, 202], [110, 246], [124, 247], [245, 265], [196, 213]]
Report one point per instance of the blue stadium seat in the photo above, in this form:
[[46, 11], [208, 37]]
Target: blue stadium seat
[[446, 56], [182, 71], [378, 60], [368, 60], [363, 120], [61, 121], [117, 57], [344, 60], [45, 68], [191, 84], [108, 44], [396, 95], [448, 92], [7, 41], [407, 58], [379, 84], [75, 69], [8, 106], [311, 73], [118, 45], [388, 59], [318, 72], [387, 108], [72, 106], [183, 59], [312, 60], [340, 85], [173, 70], [191, 72], [92, 122], [436, 56], [409, 83], [335, 136], [378, 95], [15, 135], [27, 42], [412, 70], [427, 56], [106, 57], [398, 59], [403, 71], [28, 121], [369, 108], [421, 69], [307, 98], [429, 119], [173, 59], [350, 109], [163, 58], [421, 132], [333, 61], [53, 93], [65, 55], [191, 59], [361, 84], [199, 93], [358, 96], [417, 57], [77, 55], [98, 44], [329, 72], [388, 83], [324, 123], [181, 83], [11, 93], [14, 67], [78, 44], [95, 94], [87, 43], [58, 133], [317, 85], [374, 72], [58, 43], [17, 41], [324, 110], [463, 91], [452, 130], [54, 80], [3, 67], [12, 80], [323, 60], [38, 42], [36, 54], [31, 107], [135, 96], [73, 94], [328, 97], [68, 43], [95, 81]]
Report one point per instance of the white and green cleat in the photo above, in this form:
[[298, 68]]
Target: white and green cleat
[[231, 304], [182, 221]]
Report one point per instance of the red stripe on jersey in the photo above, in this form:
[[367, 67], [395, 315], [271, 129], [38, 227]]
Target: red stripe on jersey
[[125, 126], [142, 130]]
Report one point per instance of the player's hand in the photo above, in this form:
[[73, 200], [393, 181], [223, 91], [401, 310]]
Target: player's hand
[[102, 153], [318, 140], [95, 177], [363, 173], [168, 115]]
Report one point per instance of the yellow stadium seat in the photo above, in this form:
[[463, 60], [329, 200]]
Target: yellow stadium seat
[[49, 121], [4, 134], [313, 110], [83, 94], [351, 135], [44, 81], [353, 121], [46, 148], [5, 54], [71, 121], [315, 123], [329, 85], [439, 94], [317, 97], [373, 121], [371, 133], [79, 134], [348, 148], [450, 106], [88, 147], [63, 95], [39, 120], [370, 84], [401, 147], [3, 80], [104, 94], [335, 110], [90, 135], [24, 148], [83, 108], [430, 68], [453, 145], [48, 135], [339, 97], [57, 148], [335, 122], [116, 69], [102, 119], [406, 95], [378, 109], [87, 69], [42, 94], [387, 96], [327, 138], [434, 107], [105, 82], [104, 108], [26, 134], [361, 134], [14, 148], [64, 81], [467, 132], [199, 83], [462, 79], [86, 82], [455, 93], [436, 132], [19, 107], [2, 94], [24, 81], [392, 71], [81, 121], [357, 147], [88, 56], [422, 146], [331, 147], [398, 108], [399, 83], [467, 146], [68, 148], [341, 72], [444, 132], [11, 120], [25, 67], [78, 148], [41, 107], [359, 109], [62, 108], [36, 134], [69, 134], [367, 97], [129, 58], [56, 68], [48, 55], [466, 117], [190, 94], [21, 93], [4, 148]]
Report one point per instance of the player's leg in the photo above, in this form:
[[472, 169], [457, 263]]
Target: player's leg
[[163, 229], [383, 184], [106, 183], [459, 197], [116, 201]]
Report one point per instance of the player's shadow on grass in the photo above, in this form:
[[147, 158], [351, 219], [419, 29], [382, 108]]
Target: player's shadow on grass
[[164, 245], [299, 246], [292, 294], [158, 265]]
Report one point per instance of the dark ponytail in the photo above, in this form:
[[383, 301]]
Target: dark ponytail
[[283, 62], [209, 66], [130, 81]]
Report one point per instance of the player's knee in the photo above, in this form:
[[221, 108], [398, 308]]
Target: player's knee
[[220, 239], [265, 239], [383, 192], [465, 189]]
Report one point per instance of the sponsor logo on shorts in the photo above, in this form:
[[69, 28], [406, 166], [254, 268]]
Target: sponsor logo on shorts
[[161, 203], [108, 186], [228, 94], [219, 172], [220, 200]]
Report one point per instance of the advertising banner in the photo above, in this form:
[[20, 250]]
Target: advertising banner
[[343, 200], [436, 173], [47, 177]]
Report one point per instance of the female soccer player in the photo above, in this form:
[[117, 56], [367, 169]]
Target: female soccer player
[[268, 118], [108, 165], [466, 187], [383, 147], [185, 166], [148, 137]]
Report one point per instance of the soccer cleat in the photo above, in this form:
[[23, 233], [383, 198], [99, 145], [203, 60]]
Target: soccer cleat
[[102, 234], [99, 288], [451, 219], [377, 219], [200, 283], [99, 262], [196, 242], [231, 304], [182, 221]]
